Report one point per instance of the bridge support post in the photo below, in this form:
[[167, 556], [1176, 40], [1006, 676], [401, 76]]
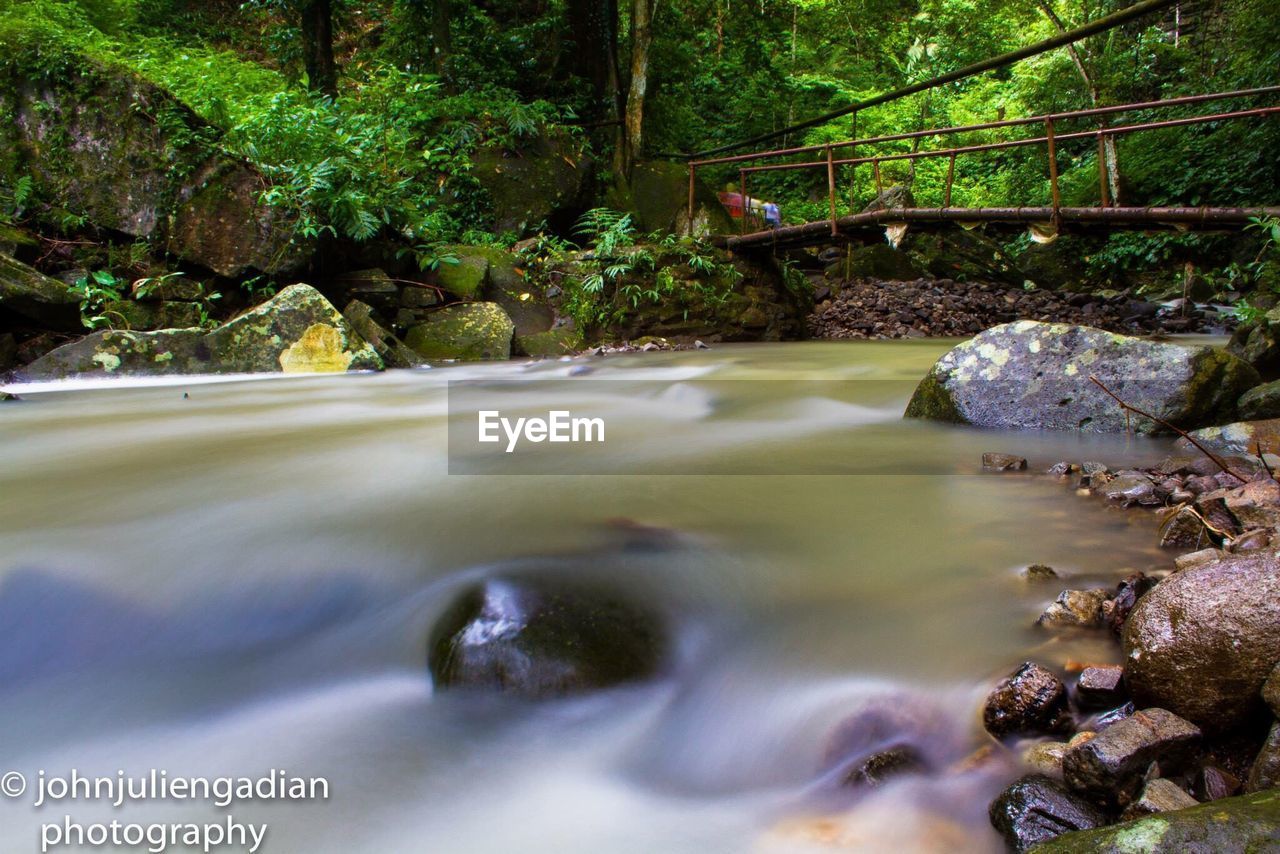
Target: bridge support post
[[831, 188], [1053, 169], [692, 179], [951, 175], [746, 200], [1102, 169]]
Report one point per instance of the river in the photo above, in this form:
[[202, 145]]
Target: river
[[229, 577]]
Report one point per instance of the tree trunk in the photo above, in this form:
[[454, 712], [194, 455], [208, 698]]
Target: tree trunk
[[317, 47], [1108, 143], [641, 41], [441, 45]]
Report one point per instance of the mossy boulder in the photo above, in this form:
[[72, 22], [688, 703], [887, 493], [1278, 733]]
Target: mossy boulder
[[1258, 343], [1240, 437], [547, 179], [879, 262], [149, 316], [296, 331], [103, 143], [962, 255], [464, 273], [1032, 375], [1261, 402], [1241, 824], [28, 292], [564, 341], [657, 196], [470, 332]]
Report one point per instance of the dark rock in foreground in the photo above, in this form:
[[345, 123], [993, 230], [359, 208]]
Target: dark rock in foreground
[[1111, 765], [1031, 375], [539, 638], [1204, 640], [296, 331], [1030, 701], [1249, 823], [1037, 809], [28, 292]]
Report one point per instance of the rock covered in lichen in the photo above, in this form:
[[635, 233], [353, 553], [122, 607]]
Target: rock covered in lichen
[[470, 331], [1036, 375], [296, 331]]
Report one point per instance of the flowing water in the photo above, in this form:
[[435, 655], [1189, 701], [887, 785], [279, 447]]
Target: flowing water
[[231, 577]]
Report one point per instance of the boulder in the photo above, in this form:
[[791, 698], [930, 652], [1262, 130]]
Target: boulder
[[465, 271], [657, 195], [546, 180], [149, 316], [1258, 343], [391, 349], [879, 262], [296, 331], [1265, 771], [470, 332], [539, 638], [1032, 375], [28, 292], [133, 159], [1260, 402], [1030, 701], [1036, 809], [1241, 437], [1111, 766], [1159, 795], [1203, 642], [1246, 823]]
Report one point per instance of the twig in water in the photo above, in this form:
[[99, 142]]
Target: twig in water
[[1221, 463]]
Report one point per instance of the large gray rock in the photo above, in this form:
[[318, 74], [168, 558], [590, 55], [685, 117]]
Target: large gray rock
[[1111, 765], [1203, 642], [28, 292], [546, 179], [1036, 375], [1260, 402], [296, 331], [1249, 823], [102, 142], [540, 638]]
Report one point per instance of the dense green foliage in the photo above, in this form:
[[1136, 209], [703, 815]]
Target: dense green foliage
[[390, 155]]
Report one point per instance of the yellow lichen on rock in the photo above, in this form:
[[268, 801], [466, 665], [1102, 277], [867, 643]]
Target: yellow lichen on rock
[[320, 350]]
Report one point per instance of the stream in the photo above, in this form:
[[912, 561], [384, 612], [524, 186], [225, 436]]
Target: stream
[[226, 576]]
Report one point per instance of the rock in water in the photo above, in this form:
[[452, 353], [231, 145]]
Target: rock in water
[[1030, 701], [1111, 765], [1036, 809], [1204, 640], [296, 331], [539, 638], [1243, 824], [1036, 375]]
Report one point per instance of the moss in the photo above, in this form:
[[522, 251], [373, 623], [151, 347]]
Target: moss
[[473, 332], [466, 277], [554, 342], [931, 401]]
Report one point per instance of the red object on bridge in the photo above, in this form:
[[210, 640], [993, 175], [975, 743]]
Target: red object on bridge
[[732, 203]]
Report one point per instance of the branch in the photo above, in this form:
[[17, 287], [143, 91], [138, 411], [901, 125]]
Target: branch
[[1221, 463]]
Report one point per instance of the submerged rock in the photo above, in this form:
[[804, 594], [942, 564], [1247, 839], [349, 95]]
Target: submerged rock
[[1111, 765], [1036, 375], [1247, 823], [538, 638], [1203, 642], [1075, 609], [1003, 462], [471, 331], [296, 331], [1036, 809], [1030, 701]]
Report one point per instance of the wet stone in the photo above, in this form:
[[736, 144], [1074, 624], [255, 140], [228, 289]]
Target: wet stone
[[1045, 758], [1265, 773], [1003, 462], [1105, 719], [880, 766], [1112, 765], [1185, 531], [1075, 609], [1030, 701], [1159, 795], [1101, 687], [1213, 783], [1117, 609], [1036, 809], [1129, 488], [1038, 572]]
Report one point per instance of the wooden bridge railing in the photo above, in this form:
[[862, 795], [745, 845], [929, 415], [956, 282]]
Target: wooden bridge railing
[[1052, 136]]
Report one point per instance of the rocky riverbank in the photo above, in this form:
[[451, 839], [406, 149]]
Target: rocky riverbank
[[1190, 715], [924, 307]]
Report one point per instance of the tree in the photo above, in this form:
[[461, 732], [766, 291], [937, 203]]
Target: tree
[[317, 46], [641, 40]]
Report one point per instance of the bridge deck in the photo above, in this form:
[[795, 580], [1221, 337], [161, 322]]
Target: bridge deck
[[869, 227]]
